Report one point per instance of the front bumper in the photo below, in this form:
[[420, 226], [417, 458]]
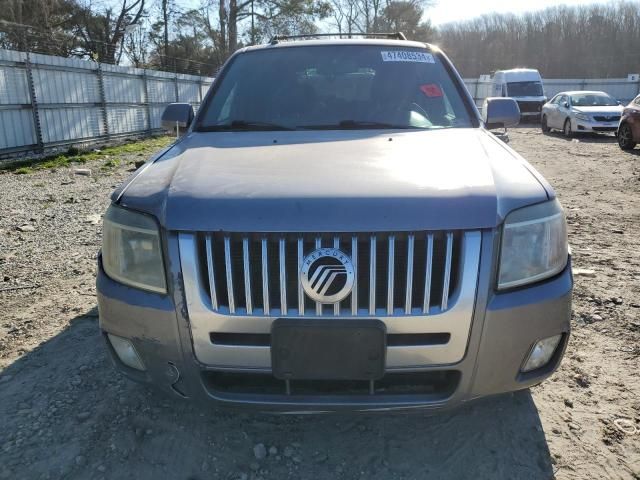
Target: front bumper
[[593, 126], [504, 328]]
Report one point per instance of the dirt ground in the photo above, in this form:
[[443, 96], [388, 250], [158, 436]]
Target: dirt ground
[[65, 413]]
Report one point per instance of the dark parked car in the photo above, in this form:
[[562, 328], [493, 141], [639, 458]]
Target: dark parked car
[[629, 128]]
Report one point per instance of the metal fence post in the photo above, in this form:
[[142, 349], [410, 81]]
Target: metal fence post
[[103, 100], [475, 94], [34, 103], [146, 99]]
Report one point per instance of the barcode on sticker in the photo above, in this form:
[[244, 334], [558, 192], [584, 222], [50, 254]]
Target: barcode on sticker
[[407, 56]]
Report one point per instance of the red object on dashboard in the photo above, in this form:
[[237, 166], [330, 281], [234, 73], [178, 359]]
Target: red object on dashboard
[[431, 90]]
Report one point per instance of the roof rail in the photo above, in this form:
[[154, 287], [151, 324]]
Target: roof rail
[[396, 35]]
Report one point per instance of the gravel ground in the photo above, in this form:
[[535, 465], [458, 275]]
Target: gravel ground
[[65, 413]]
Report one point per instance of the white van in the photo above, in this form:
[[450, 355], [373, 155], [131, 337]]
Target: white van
[[524, 85]]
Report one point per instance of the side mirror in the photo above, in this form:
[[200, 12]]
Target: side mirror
[[565, 104], [500, 113], [177, 116]]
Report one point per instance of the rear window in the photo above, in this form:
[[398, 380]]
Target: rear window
[[335, 87]]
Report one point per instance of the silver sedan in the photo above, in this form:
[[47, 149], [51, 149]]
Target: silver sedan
[[581, 111]]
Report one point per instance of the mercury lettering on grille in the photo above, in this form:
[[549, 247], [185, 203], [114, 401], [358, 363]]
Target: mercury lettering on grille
[[360, 274]]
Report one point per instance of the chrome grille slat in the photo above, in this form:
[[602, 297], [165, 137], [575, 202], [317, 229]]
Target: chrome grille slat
[[211, 272], [372, 276], [447, 273], [391, 274], [283, 276], [300, 243], [354, 261], [427, 277], [227, 263], [336, 306], [247, 275], [265, 275], [318, 304], [408, 297], [395, 274]]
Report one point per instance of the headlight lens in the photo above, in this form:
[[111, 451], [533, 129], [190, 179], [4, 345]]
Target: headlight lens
[[581, 116], [131, 251], [534, 245]]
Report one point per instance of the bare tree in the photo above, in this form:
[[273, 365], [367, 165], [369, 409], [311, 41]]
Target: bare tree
[[586, 41]]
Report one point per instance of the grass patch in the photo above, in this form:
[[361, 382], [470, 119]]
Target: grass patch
[[141, 148]]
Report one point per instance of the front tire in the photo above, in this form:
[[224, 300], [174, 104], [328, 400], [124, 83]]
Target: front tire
[[625, 137], [543, 125], [567, 128]]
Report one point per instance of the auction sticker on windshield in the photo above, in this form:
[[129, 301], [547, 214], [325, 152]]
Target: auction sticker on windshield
[[407, 56]]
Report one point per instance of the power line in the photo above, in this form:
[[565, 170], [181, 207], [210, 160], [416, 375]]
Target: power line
[[72, 44]]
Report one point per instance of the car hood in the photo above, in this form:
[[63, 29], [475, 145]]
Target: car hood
[[334, 181], [613, 110]]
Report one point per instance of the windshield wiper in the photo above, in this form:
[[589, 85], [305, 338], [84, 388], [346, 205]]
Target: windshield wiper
[[247, 125], [355, 125]]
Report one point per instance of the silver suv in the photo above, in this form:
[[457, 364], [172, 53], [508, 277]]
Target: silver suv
[[336, 229]]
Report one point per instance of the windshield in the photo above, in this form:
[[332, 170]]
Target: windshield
[[524, 89], [335, 87], [592, 100]]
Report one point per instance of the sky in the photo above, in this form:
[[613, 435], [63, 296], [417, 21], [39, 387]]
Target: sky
[[455, 10], [445, 11]]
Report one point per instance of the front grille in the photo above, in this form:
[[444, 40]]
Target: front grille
[[438, 384], [606, 118], [408, 273], [529, 107]]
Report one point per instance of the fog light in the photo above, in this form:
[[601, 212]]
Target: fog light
[[126, 352], [541, 353]]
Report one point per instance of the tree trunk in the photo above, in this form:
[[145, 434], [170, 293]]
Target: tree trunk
[[223, 28], [165, 18], [233, 26]]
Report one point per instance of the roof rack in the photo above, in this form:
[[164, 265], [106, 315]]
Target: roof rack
[[396, 35]]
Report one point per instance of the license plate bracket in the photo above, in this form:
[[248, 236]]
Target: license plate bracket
[[328, 349]]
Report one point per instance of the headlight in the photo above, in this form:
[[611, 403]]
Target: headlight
[[534, 245], [131, 251], [581, 116]]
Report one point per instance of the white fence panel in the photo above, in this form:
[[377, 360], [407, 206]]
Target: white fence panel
[[64, 124], [79, 101], [14, 86], [155, 113], [58, 86], [619, 88], [123, 89], [126, 119], [161, 90], [16, 129]]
